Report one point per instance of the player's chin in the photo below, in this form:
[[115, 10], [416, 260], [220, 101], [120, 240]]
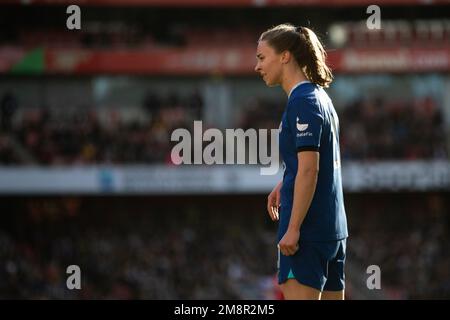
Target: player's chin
[[269, 82]]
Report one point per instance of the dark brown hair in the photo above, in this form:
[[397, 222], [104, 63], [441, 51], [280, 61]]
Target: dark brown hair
[[306, 48]]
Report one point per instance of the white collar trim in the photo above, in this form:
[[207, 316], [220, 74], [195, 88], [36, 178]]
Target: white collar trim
[[298, 84]]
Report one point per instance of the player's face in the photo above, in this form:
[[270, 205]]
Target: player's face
[[268, 64]]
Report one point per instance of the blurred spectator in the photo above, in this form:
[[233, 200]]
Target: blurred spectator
[[8, 155], [8, 106], [152, 103]]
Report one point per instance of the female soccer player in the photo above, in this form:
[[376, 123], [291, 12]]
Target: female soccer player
[[312, 228]]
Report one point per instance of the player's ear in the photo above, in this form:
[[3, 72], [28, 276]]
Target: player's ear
[[285, 57]]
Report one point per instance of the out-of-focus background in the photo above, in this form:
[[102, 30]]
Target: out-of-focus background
[[86, 176]]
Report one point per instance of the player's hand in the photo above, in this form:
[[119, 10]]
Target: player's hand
[[273, 202], [289, 243]]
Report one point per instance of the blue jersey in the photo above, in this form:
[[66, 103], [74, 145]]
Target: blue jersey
[[310, 122]]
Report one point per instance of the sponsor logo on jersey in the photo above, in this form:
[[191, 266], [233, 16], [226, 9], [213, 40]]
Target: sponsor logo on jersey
[[304, 134], [301, 126]]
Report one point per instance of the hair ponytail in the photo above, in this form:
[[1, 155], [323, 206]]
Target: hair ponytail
[[315, 67], [307, 49]]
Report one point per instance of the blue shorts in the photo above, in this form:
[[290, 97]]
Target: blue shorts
[[317, 264]]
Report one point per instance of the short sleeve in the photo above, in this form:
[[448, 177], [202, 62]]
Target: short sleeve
[[305, 123]]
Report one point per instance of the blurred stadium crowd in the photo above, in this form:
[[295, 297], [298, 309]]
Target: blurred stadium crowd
[[56, 136], [129, 251], [406, 236], [371, 129], [136, 248]]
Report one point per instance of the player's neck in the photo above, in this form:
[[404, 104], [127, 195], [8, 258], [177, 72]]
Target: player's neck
[[290, 80]]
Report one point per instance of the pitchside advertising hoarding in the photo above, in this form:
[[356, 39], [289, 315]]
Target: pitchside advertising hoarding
[[206, 61], [203, 179]]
